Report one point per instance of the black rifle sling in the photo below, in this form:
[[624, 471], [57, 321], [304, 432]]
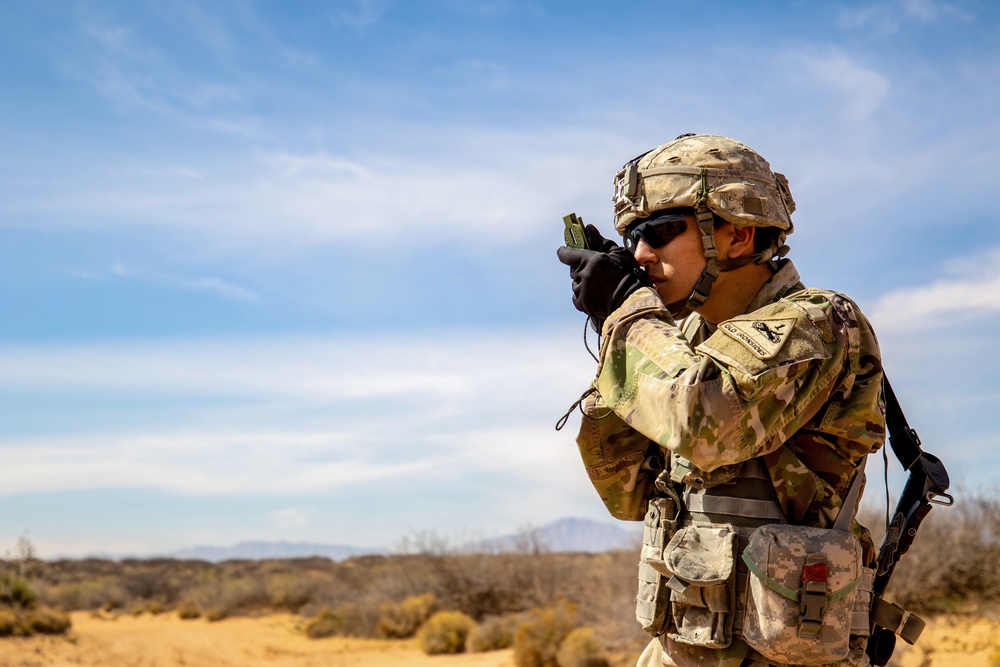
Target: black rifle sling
[[926, 485]]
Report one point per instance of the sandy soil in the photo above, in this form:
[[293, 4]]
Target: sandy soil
[[953, 641], [166, 641], [273, 641]]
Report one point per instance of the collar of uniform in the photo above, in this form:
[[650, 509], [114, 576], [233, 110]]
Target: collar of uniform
[[785, 279]]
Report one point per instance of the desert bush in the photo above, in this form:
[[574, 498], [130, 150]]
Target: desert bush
[[537, 640], [148, 581], [955, 559], [291, 591], [17, 592], [78, 594], [187, 610], [580, 649], [216, 614], [445, 632], [8, 622], [493, 633], [401, 621], [44, 620], [325, 624], [347, 620]]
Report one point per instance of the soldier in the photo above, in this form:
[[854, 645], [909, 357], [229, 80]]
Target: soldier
[[733, 409]]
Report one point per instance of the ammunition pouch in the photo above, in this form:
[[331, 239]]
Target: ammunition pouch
[[808, 593], [701, 560], [653, 597]]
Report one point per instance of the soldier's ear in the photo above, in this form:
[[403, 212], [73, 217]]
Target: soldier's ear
[[742, 242]]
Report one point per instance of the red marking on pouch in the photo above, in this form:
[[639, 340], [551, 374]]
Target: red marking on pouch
[[815, 572]]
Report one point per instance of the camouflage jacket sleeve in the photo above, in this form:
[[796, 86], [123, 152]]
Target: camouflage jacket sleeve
[[740, 394]]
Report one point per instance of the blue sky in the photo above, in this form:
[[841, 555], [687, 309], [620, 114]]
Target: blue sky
[[286, 271]]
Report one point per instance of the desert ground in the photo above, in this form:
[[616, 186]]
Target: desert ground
[[166, 641], [273, 641]]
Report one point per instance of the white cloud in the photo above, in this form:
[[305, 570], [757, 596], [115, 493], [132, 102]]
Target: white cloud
[[213, 285], [931, 10], [888, 17], [974, 293], [303, 415], [483, 188], [861, 90], [357, 14], [127, 69]]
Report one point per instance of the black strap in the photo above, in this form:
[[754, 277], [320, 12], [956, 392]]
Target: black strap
[[903, 439], [926, 485]]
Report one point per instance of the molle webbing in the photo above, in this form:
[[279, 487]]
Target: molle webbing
[[746, 503]]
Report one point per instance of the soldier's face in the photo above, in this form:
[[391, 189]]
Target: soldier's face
[[674, 268]]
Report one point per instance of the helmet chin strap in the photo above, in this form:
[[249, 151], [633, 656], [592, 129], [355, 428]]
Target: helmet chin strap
[[713, 266]]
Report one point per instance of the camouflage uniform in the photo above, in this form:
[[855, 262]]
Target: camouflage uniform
[[795, 383]]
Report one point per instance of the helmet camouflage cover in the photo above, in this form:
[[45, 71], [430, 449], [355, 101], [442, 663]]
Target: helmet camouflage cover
[[726, 176]]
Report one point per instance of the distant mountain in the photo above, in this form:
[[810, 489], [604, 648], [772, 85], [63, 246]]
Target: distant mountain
[[268, 550], [563, 535], [570, 535]]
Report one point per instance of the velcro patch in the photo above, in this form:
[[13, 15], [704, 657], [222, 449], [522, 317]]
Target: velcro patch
[[762, 337]]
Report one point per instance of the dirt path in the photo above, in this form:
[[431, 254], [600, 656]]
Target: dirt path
[[166, 641]]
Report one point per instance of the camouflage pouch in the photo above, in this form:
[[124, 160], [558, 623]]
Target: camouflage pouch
[[654, 597], [801, 599], [702, 563]]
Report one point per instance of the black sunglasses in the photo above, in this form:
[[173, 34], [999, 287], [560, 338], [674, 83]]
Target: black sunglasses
[[657, 231]]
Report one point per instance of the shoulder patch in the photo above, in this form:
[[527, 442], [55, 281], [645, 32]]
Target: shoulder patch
[[763, 337]]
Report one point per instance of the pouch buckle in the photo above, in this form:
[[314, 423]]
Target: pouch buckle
[[813, 596]]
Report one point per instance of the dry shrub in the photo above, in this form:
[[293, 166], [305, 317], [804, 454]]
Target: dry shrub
[[45, 620], [216, 614], [347, 620], [17, 592], [325, 624], [291, 591], [8, 622], [581, 649], [537, 640], [445, 632], [493, 634], [187, 610], [78, 594], [401, 621], [954, 562]]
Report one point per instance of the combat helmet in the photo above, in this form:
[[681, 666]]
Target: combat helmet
[[711, 174]]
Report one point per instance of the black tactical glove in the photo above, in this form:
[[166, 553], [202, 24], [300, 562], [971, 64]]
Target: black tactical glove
[[603, 277]]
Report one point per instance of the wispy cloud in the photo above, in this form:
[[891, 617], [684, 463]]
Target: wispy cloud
[[973, 294], [357, 14], [367, 411], [212, 285], [375, 368], [131, 72], [473, 184], [889, 17], [860, 89]]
